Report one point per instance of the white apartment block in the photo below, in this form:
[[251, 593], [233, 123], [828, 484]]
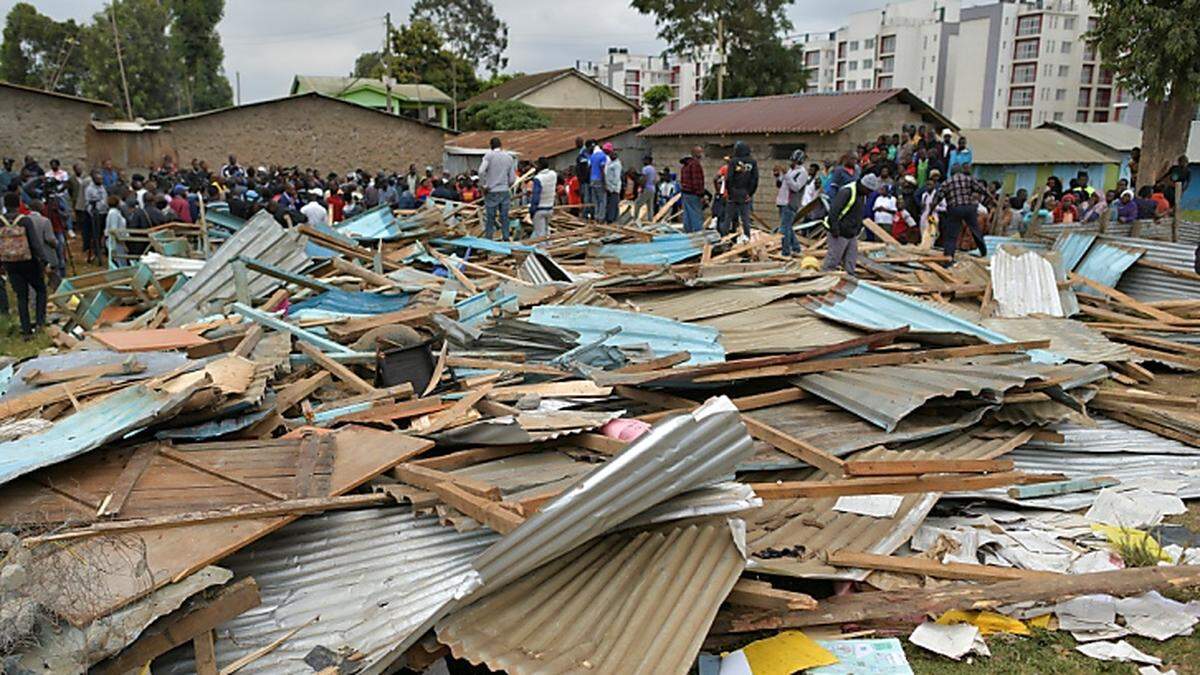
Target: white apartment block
[[1011, 63], [633, 74]]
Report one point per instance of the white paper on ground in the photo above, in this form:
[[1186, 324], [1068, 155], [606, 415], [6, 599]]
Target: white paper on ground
[[876, 506], [1133, 508], [1117, 651], [953, 641], [1087, 613], [735, 663], [1151, 670], [1094, 561], [878, 657], [1161, 627]]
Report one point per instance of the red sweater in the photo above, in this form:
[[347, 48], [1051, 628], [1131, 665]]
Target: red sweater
[[691, 177]]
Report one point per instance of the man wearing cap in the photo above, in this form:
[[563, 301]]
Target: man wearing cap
[[597, 191], [498, 171], [614, 174], [845, 222], [791, 196]]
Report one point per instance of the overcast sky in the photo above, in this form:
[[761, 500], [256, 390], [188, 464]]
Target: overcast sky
[[269, 41]]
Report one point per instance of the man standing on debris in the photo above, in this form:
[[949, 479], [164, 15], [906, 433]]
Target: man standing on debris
[[597, 191], [614, 175], [691, 185], [845, 222], [963, 194], [742, 184], [498, 171], [24, 256], [791, 200], [541, 200], [647, 190]]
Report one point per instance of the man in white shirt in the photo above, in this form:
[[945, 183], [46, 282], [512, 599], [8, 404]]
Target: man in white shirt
[[498, 170], [314, 210], [541, 199]]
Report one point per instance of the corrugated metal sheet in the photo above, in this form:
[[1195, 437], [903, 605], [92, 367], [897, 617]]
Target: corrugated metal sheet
[[1055, 229], [778, 328], [1069, 338], [372, 576], [994, 242], [90, 427], [533, 143], [260, 238], [859, 303], [1027, 283], [1073, 246], [664, 336], [666, 249], [789, 537], [884, 395], [702, 303], [787, 113], [155, 363], [1105, 262], [351, 303], [370, 225], [1115, 135], [481, 244], [678, 454], [1033, 146], [627, 603], [1110, 436], [1147, 284]]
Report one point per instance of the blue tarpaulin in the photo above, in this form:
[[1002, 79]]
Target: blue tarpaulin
[[352, 302]]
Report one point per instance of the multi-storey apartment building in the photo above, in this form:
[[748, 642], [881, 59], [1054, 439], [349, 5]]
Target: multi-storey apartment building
[[633, 74]]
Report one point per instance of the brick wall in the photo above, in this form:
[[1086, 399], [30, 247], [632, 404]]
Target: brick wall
[[588, 117], [44, 126], [309, 132]]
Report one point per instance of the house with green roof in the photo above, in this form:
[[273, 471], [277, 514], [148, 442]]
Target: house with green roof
[[423, 102]]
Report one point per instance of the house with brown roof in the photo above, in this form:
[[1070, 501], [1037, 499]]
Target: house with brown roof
[[45, 124], [824, 125], [557, 144], [567, 96]]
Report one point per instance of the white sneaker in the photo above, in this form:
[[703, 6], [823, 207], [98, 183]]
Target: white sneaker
[[742, 239]]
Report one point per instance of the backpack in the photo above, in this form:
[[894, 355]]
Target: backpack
[[14, 245]]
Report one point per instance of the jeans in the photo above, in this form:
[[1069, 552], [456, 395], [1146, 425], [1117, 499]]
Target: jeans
[[60, 265], [645, 199], [24, 276], [735, 211], [951, 226], [85, 230], [843, 253], [693, 213], [585, 191], [787, 220], [493, 201], [600, 199], [614, 205], [541, 223]]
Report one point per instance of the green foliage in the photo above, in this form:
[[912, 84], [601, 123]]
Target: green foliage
[[655, 101], [369, 64], [197, 46], [504, 116], [418, 55], [1152, 47], [767, 69], [498, 79], [145, 50], [470, 29], [37, 49]]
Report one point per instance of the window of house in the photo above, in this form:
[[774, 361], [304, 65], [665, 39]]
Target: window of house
[[1085, 74], [1024, 73], [885, 82], [1085, 98], [1064, 71], [887, 44], [785, 150], [1100, 116], [854, 45], [1049, 46], [1058, 116], [1105, 77], [1066, 46], [1025, 49], [1103, 98], [1029, 25], [851, 85], [812, 58], [1019, 119], [1053, 22], [853, 65], [869, 43], [1020, 97], [866, 64], [866, 84], [1081, 115], [1069, 23], [887, 64], [1089, 51], [1060, 94]]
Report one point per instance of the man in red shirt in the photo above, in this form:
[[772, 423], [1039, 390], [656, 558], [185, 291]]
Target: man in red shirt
[[337, 206], [691, 184]]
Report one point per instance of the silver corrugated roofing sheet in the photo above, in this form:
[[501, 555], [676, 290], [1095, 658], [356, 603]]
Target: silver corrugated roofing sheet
[[781, 327], [372, 576], [884, 395], [664, 336], [260, 238], [1072, 339], [628, 603], [1025, 282], [1147, 284], [702, 303], [1110, 436], [1106, 261], [1073, 245]]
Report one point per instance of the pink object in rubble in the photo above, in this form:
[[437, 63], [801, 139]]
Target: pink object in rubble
[[624, 429]]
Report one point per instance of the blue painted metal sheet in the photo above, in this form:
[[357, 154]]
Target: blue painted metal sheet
[[1073, 246], [663, 335], [90, 427], [478, 307], [489, 245], [861, 304], [223, 219], [371, 225], [1106, 262], [995, 242], [358, 303], [315, 250], [153, 364], [667, 249]]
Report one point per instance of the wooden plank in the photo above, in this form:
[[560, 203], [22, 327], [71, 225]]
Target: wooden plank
[[205, 650], [183, 625], [339, 370], [932, 568], [760, 594], [355, 328], [488, 512], [403, 390], [39, 378], [567, 389], [249, 341], [426, 478], [395, 411], [56, 393], [306, 465], [656, 399], [1126, 300], [917, 467], [145, 340], [451, 415], [668, 361], [134, 468], [795, 447], [597, 443], [473, 456], [1147, 397], [879, 486], [177, 456], [285, 398], [1062, 487], [494, 364]]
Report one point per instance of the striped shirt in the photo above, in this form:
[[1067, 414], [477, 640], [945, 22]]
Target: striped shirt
[[962, 190]]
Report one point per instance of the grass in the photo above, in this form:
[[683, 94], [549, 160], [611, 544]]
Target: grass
[[1053, 652], [1190, 216], [11, 343]]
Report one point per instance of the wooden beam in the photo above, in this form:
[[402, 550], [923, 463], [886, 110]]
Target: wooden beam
[[668, 361], [490, 513], [1061, 487], [760, 594], [426, 478], [182, 626], [39, 378], [882, 486], [795, 447], [917, 467], [339, 370], [206, 653], [451, 415], [1126, 300], [931, 568], [129, 476]]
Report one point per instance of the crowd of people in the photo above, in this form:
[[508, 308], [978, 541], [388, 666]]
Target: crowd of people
[[911, 184]]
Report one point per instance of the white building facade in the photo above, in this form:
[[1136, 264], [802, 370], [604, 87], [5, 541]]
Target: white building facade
[[634, 74]]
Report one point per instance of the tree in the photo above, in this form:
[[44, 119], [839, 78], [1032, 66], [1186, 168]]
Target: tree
[[41, 52], [694, 26], [369, 64], [419, 55], [470, 28], [151, 71], [655, 99], [197, 46], [767, 69], [504, 115], [1153, 49]]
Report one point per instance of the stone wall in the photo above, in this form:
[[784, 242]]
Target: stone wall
[[43, 126]]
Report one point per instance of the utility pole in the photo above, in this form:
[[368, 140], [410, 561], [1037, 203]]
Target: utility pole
[[120, 62], [387, 54], [721, 56], [238, 77]]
